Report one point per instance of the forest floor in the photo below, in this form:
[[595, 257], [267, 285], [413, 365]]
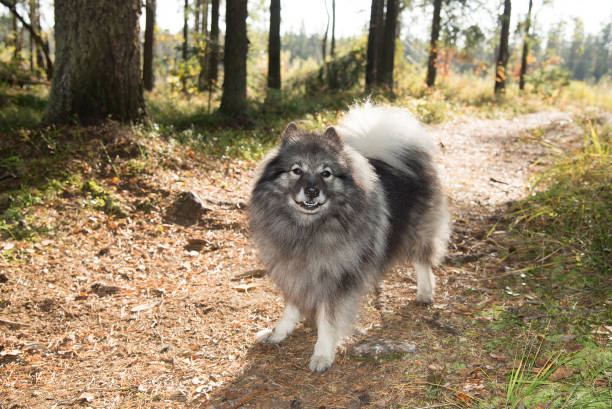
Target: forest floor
[[133, 308]]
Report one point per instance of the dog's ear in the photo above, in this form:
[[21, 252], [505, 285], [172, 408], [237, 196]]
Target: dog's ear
[[331, 134], [289, 131]]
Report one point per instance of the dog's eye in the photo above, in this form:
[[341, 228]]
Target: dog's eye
[[297, 171], [325, 174]]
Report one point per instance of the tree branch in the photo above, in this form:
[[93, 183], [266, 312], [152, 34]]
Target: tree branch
[[44, 45]]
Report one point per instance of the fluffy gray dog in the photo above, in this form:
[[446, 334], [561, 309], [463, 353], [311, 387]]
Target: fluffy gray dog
[[330, 212]]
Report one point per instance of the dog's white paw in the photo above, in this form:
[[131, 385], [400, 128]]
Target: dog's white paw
[[269, 336], [424, 298], [320, 363]]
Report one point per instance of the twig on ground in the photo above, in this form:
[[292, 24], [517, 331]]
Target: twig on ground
[[247, 398]]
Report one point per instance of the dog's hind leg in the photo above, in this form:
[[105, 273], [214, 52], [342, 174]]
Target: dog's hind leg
[[426, 282], [291, 317]]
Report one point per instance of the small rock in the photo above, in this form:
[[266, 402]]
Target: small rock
[[186, 210], [383, 346], [101, 289], [3, 278]]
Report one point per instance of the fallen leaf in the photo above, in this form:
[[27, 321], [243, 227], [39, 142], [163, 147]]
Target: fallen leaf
[[435, 367], [499, 357], [144, 307], [85, 398], [561, 373], [244, 288], [462, 397]]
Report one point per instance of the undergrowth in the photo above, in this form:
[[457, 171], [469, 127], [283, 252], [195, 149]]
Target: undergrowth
[[561, 235]]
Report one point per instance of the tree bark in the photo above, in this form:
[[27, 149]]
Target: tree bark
[[149, 46], [432, 62], [374, 34], [274, 46], [502, 56], [332, 49], [213, 57], [44, 45], [196, 17], [97, 71], [324, 42], [388, 50], [233, 100], [203, 53], [186, 31], [525, 48]]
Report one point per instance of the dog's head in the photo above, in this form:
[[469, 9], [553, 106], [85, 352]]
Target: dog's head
[[308, 172]]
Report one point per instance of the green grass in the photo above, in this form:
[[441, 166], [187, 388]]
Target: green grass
[[562, 238], [21, 109]]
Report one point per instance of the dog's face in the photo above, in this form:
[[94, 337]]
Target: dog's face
[[309, 174]]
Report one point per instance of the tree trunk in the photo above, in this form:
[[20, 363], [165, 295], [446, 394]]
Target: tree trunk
[[274, 46], [97, 70], [388, 50], [502, 56], [32, 7], [432, 62], [324, 42], [203, 53], [196, 17], [525, 48], [213, 57], [332, 49], [186, 31], [16, 42], [149, 46], [373, 51], [233, 100], [40, 60]]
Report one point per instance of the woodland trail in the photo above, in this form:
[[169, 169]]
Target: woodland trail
[[141, 312]]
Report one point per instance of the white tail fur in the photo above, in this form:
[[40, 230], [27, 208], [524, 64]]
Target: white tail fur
[[383, 133]]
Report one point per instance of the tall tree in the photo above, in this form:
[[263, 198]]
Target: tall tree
[[432, 61], [332, 49], [324, 42], [149, 46], [196, 17], [203, 56], [36, 58], [525, 48], [96, 75], [375, 33], [186, 30], [388, 50], [274, 46], [502, 56], [602, 59], [212, 65], [233, 100]]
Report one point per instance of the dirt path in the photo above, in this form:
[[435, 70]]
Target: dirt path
[[135, 313]]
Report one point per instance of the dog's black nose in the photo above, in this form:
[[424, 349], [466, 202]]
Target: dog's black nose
[[311, 192]]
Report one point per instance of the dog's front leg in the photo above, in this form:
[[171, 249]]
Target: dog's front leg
[[327, 338], [291, 317], [426, 283]]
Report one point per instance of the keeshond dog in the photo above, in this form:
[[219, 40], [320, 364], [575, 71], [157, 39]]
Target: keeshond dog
[[330, 212]]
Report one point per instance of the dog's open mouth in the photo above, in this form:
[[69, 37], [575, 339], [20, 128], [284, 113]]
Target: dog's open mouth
[[308, 207]]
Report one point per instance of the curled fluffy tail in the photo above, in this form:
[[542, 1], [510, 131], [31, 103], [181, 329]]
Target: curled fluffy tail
[[385, 133]]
